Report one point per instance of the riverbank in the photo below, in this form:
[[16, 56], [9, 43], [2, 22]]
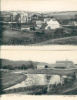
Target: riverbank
[[9, 79], [33, 86], [64, 89]]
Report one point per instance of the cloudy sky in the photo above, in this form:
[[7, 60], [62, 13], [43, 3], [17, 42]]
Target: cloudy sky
[[39, 5], [41, 55]]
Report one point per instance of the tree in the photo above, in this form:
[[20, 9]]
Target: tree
[[31, 65], [59, 32], [23, 67], [46, 66]]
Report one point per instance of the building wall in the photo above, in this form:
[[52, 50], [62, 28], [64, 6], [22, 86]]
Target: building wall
[[40, 66], [24, 18], [67, 64]]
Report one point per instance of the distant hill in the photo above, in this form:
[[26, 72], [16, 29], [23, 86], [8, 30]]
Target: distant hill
[[64, 15], [6, 62], [56, 14]]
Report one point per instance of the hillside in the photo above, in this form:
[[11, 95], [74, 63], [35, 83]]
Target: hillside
[[6, 62], [72, 40], [19, 64]]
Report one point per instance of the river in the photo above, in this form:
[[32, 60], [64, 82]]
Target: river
[[38, 79]]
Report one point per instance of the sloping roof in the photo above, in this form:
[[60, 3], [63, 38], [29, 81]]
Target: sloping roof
[[52, 21], [46, 19], [52, 24], [64, 61]]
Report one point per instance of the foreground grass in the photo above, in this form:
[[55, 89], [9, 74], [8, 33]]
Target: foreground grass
[[40, 89], [10, 79]]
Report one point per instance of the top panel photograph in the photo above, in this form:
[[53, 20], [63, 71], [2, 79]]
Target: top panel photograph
[[38, 22]]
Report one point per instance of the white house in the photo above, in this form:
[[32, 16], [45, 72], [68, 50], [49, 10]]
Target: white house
[[52, 24], [41, 65]]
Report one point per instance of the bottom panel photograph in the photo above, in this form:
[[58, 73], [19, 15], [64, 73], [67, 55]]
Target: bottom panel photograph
[[38, 72]]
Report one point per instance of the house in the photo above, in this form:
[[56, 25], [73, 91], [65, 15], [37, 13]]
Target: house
[[14, 16], [39, 23], [41, 65], [45, 65], [24, 17], [52, 24], [46, 19], [35, 16], [5, 70], [72, 23], [17, 18], [5, 18], [64, 64]]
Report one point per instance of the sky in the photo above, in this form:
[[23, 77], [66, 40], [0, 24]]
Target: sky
[[39, 5], [39, 55]]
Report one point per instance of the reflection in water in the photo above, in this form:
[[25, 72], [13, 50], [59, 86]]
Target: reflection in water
[[55, 79], [42, 79], [38, 79], [35, 79]]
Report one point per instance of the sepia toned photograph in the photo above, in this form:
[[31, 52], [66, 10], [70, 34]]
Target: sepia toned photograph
[[38, 72], [38, 51], [38, 22]]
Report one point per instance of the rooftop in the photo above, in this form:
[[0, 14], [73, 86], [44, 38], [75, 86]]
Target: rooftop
[[66, 61]]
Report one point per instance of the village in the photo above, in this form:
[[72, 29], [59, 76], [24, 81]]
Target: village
[[35, 27]]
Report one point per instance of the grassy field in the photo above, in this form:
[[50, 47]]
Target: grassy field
[[10, 36], [66, 41], [50, 71], [10, 79], [14, 37]]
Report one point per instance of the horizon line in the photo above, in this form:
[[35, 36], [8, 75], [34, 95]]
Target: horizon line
[[43, 11]]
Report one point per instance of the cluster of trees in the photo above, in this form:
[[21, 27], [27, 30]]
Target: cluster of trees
[[57, 33], [30, 65]]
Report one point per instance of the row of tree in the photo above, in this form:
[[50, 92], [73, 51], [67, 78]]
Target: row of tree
[[30, 65]]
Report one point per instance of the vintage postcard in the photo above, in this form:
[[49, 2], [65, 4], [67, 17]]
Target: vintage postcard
[[38, 22], [38, 41]]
